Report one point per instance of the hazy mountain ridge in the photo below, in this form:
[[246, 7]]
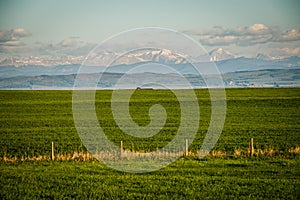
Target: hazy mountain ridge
[[99, 59], [224, 66], [237, 71], [264, 78], [105, 58]]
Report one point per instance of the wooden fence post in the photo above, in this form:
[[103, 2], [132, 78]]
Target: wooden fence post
[[52, 150], [186, 147], [251, 148], [121, 149]]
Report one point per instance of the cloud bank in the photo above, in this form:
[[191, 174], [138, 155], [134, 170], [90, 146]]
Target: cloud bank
[[246, 41], [10, 40], [244, 36]]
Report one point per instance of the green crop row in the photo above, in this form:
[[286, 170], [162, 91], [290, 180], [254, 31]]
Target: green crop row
[[183, 179], [30, 120]]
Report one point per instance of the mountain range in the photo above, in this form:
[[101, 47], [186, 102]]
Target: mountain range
[[259, 78], [39, 71]]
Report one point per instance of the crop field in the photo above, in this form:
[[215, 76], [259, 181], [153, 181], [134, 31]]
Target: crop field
[[31, 120]]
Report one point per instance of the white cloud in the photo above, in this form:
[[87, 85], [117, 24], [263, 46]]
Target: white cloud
[[10, 39], [291, 35], [20, 32], [72, 46], [14, 43], [13, 34], [244, 36], [289, 51], [69, 42], [69, 46], [218, 40], [258, 29]]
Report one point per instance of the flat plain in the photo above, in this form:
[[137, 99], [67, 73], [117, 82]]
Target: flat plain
[[31, 120]]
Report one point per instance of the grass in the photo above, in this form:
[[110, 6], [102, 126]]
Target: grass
[[184, 179], [293, 153], [30, 120]]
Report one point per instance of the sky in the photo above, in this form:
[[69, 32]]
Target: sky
[[245, 27]]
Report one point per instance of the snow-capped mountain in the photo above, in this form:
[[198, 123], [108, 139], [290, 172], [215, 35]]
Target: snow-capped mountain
[[47, 61], [225, 61], [147, 55], [163, 56], [103, 58], [220, 54], [262, 56]]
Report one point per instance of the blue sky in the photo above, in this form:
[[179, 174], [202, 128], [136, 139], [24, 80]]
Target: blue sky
[[48, 23]]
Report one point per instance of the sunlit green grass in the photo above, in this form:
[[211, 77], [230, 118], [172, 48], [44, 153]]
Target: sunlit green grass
[[30, 120], [184, 179]]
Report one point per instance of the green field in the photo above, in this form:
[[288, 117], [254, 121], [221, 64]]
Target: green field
[[184, 179], [30, 120]]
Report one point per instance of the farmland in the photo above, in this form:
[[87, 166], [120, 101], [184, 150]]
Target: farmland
[[31, 120], [190, 179]]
